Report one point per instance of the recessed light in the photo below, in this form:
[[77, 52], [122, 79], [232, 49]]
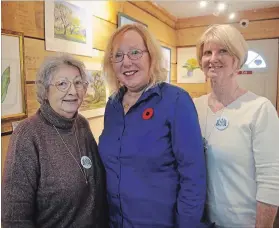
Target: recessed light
[[232, 16], [203, 4], [221, 6]]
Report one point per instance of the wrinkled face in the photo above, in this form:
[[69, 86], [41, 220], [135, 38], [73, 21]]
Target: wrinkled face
[[66, 101], [217, 63], [133, 73]]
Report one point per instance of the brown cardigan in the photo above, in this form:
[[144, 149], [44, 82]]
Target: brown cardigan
[[42, 183]]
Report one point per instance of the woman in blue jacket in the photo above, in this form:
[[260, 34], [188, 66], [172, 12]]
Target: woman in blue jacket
[[151, 144]]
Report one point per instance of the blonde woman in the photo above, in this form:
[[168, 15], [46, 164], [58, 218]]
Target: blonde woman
[[240, 131], [151, 145]]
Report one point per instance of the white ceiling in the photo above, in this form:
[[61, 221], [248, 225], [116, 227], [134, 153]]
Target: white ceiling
[[182, 9]]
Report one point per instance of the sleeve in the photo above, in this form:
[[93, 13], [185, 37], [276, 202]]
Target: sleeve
[[19, 183], [266, 154], [188, 149]]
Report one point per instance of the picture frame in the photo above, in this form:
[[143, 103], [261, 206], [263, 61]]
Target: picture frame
[[188, 69], [167, 62], [13, 90], [95, 100], [69, 27], [123, 19]]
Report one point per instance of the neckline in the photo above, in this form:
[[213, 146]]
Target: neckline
[[227, 106]]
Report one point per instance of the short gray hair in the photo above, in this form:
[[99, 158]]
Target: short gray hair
[[49, 67]]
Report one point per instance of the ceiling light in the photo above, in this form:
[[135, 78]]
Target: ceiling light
[[203, 4], [221, 6], [232, 16]]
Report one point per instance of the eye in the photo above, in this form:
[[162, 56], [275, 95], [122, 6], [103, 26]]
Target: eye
[[135, 52], [223, 51], [78, 82], [62, 83], [118, 55], [206, 53]]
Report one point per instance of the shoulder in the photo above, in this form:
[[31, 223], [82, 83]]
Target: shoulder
[[82, 121], [173, 92], [200, 100]]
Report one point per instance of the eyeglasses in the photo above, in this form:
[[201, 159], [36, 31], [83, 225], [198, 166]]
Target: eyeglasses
[[65, 84], [133, 54]]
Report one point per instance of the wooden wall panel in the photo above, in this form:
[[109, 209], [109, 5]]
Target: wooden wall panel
[[256, 30], [4, 147], [24, 16], [160, 30], [32, 103], [251, 15]]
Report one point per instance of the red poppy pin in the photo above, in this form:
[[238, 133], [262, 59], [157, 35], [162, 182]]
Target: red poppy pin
[[148, 113]]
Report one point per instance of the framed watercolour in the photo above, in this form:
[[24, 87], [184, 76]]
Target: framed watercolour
[[124, 19], [13, 94], [94, 102], [68, 27], [188, 70], [167, 61]]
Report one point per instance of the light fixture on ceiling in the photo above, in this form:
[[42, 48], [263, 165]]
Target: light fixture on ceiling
[[203, 4], [221, 6], [231, 16]]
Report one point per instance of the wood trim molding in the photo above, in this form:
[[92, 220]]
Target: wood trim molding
[[156, 11], [251, 15]]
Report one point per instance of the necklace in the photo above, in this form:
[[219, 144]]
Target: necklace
[[81, 169], [206, 138]]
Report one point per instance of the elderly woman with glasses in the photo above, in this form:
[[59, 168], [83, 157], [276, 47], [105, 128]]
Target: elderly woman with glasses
[[53, 174], [151, 145]]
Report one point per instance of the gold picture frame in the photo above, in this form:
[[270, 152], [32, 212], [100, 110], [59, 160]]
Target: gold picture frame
[[13, 90]]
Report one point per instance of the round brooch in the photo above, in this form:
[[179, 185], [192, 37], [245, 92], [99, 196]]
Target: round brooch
[[148, 113]]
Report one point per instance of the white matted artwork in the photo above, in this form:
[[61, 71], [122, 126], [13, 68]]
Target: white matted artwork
[[124, 19], [167, 62], [68, 27], [13, 101], [188, 70], [97, 93]]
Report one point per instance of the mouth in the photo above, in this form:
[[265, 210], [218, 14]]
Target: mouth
[[71, 100], [130, 73], [215, 67]]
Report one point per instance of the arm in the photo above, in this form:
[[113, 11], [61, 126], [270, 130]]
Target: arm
[[188, 149], [266, 155], [265, 215], [19, 183]]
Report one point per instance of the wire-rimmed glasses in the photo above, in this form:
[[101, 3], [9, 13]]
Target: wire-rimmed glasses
[[64, 85], [133, 54]]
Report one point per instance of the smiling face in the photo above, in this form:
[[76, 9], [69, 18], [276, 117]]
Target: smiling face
[[217, 63], [65, 103], [134, 74]]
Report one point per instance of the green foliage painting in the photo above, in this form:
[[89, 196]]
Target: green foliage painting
[[96, 93], [5, 82], [69, 22]]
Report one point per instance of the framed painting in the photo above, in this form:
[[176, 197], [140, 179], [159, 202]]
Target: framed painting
[[68, 27], [167, 62], [94, 102], [13, 93], [188, 70], [124, 19]]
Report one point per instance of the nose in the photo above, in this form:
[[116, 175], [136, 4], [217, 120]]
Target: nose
[[215, 57], [127, 61], [72, 90]]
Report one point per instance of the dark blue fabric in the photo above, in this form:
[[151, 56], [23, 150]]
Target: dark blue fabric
[[156, 175]]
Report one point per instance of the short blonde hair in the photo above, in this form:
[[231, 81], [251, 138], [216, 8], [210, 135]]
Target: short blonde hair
[[157, 72], [229, 37], [48, 68]]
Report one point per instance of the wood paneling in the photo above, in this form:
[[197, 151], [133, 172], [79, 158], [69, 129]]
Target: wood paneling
[[160, 30], [157, 12], [22, 16], [4, 148], [256, 30], [251, 15]]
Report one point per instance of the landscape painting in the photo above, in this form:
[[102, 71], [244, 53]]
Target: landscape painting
[[69, 22], [68, 27], [95, 100]]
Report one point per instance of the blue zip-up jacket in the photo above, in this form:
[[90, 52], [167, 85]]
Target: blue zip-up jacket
[[155, 165]]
